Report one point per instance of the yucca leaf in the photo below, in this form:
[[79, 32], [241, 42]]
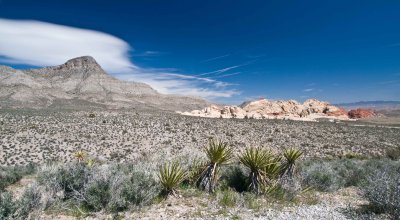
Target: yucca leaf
[[171, 175]]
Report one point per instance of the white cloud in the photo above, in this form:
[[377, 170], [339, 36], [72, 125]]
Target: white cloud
[[308, 90], [45, 44]]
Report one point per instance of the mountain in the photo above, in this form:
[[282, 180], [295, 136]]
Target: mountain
[[376, 105], [310, 110], [82, 83]]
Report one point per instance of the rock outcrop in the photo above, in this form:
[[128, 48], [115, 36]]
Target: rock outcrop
[[361, 113], [265, 109], [82, 83]]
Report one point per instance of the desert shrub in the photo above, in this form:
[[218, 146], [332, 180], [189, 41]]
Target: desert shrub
[[7, 206], [227, 198], [10, 175], [64, 180], [335, 174], [393, 153], [29, 200], [135, 188], [104, 187], [382, 190], [320, 176], [349, 172], [96, 194], [19, 209]]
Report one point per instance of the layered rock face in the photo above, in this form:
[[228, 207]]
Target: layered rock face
[[308, 111], [362, 113], [82, 82]]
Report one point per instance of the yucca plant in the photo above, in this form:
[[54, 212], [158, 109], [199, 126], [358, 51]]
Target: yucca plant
[[171, 175], [291, 155], [218, 154], [274, 167], [256, 160], [195, 170], [80, 155]]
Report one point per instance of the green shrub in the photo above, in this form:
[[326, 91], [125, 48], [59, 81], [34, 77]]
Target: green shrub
[[349, 172], [19, 209], [106, 187], [29, 200], [136, 188], [7, 206], [67, 178], [320, 176], [335, 174], [10, 175], [96, 192]]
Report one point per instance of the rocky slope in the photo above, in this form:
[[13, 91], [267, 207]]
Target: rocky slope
[[308, 111], [81, 82]]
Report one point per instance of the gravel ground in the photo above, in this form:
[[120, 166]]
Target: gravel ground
[[40, 136]]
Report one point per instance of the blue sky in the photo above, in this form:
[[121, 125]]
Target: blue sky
[[226, 51]]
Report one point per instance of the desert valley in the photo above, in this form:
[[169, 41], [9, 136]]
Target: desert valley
[[76, 142]]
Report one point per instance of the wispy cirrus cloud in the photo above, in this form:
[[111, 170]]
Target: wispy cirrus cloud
[[44, 44], [214, 58], [223, 70]]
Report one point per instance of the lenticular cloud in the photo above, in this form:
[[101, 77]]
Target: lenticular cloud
[[44, 44]]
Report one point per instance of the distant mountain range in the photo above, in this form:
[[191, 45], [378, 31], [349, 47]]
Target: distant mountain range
[[377, 105], [82, 83]]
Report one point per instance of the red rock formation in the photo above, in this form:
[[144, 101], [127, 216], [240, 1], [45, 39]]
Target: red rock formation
[[361, 113]]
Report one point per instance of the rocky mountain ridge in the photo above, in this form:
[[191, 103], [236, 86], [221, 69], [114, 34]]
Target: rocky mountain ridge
[[310, 110], [81, 82]]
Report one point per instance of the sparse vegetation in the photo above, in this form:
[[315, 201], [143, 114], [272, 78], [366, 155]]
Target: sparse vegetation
[[102, 180]]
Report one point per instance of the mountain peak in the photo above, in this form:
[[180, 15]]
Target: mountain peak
[[78, 62]]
